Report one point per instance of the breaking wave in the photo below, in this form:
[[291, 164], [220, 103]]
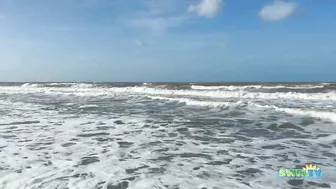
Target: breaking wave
[[331, 116], [233, 88], [57, 85], [192, 102], [94, 89], [228, 94]]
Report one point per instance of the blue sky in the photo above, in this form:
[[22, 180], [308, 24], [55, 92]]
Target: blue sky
[[167, 40]]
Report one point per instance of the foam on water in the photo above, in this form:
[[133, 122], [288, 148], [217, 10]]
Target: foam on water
[[88, 106], [156, 138], [195, 102]]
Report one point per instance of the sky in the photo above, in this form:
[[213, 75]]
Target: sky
[[167, 40]]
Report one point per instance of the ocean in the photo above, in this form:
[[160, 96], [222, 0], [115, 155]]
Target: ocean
[[165, 135]]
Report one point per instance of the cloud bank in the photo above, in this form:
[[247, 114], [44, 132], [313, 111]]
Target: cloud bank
[[277, 11]]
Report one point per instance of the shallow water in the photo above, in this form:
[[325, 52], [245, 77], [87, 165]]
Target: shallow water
[[165, 136]]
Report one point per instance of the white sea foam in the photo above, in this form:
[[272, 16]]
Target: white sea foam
[[191, 102], [181, 151], [201, 87], [146, 84], [83, 85], [32, 85], [88, 106]]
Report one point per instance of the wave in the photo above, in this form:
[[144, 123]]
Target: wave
[[191, 102], [146, 84], [88, 106], [183, 96], [92, 90], [234, 88], [201, 87], [305, 88], [331, 116], [58, 85], [228, 94], [32, 85]]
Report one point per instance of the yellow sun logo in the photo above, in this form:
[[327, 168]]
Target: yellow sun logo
[[310, 167]]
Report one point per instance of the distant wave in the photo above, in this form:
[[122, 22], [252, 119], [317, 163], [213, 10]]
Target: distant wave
[[92, 90], [146, 84], [193, 86], [228, 94], [32, 85], [201, 87], [59, 85], [233, 88]]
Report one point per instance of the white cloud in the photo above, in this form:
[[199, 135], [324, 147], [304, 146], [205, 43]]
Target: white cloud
[[222, 45], [157, 17], [140, 43], [65, 28], [2, 17], [157, 25], [277, 11], [207, 8]]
